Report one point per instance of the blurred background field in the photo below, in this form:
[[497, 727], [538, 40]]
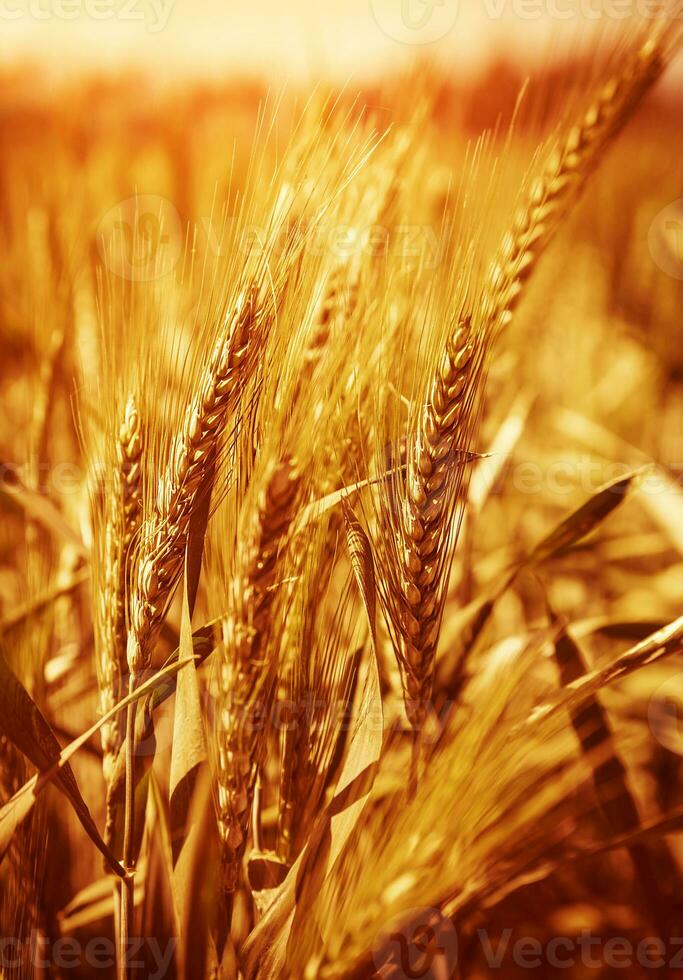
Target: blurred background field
[[587, 384]]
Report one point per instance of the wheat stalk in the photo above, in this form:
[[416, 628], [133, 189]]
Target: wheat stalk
[[247, 672]]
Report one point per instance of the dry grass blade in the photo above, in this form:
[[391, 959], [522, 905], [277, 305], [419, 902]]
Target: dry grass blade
[[35, 606], [25, 727], [41, 509], [584, 520], [321, 677], [189, 746], [663, 642], [611, 782], [568, 533], [19, 806]]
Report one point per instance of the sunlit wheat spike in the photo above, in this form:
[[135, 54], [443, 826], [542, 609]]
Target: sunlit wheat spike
[[246, 672], [566, 173], [123, 513], [436, 461], [187, 477], [446, 414]]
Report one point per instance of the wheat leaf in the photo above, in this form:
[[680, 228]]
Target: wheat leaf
[[17, 808], [25, 726], [196, 881], [661, 643], [610, 778], [189, 747], [584, 520]]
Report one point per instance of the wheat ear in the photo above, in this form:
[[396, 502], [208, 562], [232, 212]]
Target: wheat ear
[[124, 509], [446, 417], [566, 173], [246, 673], [188, 475], [424, 520]]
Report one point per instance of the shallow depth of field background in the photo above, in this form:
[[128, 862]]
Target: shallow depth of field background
[[163, 106]]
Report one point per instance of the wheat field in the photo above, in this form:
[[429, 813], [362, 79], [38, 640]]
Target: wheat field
[[342, 528]]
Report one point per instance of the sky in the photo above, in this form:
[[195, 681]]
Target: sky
[[291, 39]]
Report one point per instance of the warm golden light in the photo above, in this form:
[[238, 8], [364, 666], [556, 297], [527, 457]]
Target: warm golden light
[[341, 551]]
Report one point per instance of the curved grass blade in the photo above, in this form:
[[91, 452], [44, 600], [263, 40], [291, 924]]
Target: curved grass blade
[[20, 804], [25, 726]]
